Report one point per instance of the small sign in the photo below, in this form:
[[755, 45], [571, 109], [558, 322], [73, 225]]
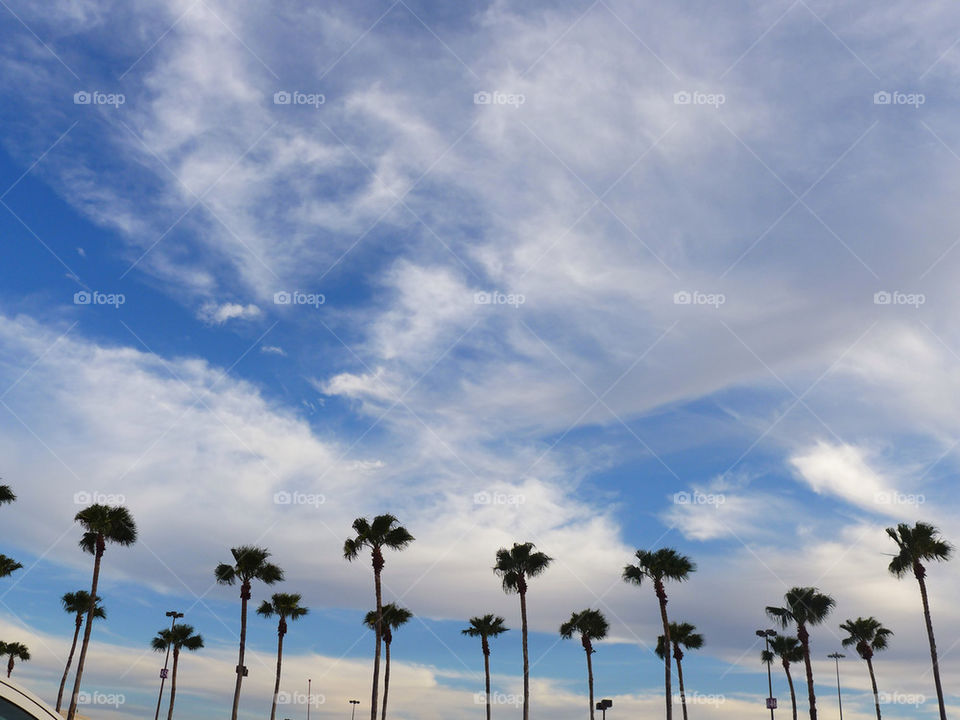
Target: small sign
[[163, 673], [771, 703]]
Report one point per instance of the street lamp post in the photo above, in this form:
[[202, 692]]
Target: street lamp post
[[766, 635], [353, 713], [309, 697], [836, 659], [603, 706], [163, 673]]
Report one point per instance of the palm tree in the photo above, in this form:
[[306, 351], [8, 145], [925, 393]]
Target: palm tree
[[384, 532], [514, 567], [76, 604], [249, 564], [485, 628], [16, 651], [789, 650], [918, 544], [102, 524], [8, 566], [285, 606], [867, 635], [6, 495], [657, 566], [684, 635], [177, 638], [591, 625], [393, 617], [804, 606]]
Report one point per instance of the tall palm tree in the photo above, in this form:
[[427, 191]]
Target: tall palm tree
[[249, 564], [804, 606], [393, 617], [683, 635], [76, 604], [658, 566], [178, 638], [8, 566], [16, 651], [867, 635], [590, 625], [102, 524], [789, 650], [486, 627], [286, 606], [384, 532], [918, 544], [514, 567]]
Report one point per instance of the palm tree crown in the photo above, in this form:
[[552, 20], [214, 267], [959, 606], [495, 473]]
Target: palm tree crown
[[867, 635], [393, 617], [6, 495], [681, 635], [659, 565], [285, 606], [484, 627], [77, 603], [787, 648], [8, 566], [589, 624], [250, 563], [384, 532], [918, 544], [804, 606], [182, 636], [516, 565]]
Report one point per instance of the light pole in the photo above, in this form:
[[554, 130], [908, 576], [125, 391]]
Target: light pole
[[353, 712], [603, 706], [836, 659], [766, 635], [163, 673], [309, 697]]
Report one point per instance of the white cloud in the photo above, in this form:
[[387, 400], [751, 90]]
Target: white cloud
[[273, 350], [215, 314]]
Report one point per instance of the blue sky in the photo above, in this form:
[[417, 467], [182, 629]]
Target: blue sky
[[718, 244]]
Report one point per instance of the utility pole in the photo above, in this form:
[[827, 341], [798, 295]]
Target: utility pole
[[771, 702], [836, 659], [163, 673]]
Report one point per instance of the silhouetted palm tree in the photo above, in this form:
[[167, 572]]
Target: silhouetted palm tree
[[102, 524], [789, 650], [485, 628], [804, 606], [867, 635], [918, 544], [76, 604], [15, 651], [683, 635], [384, 532], [6, 495], [249, 564], [286, 606], [177, 638], [8, 566], [514, 567], [393, 617], [590, 625], [657, 566]]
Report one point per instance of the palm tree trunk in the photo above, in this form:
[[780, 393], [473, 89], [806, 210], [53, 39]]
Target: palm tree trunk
[[378, 631], [590, 680], [486, 672], [244, 598], [98, 556], [804, 637], [873, 682], [662, 597], [66, 670], [10, 666], [276, 684], [386, 680], [793, 695], [173, 681], [933, 643], [526, 656], [683, 697]]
